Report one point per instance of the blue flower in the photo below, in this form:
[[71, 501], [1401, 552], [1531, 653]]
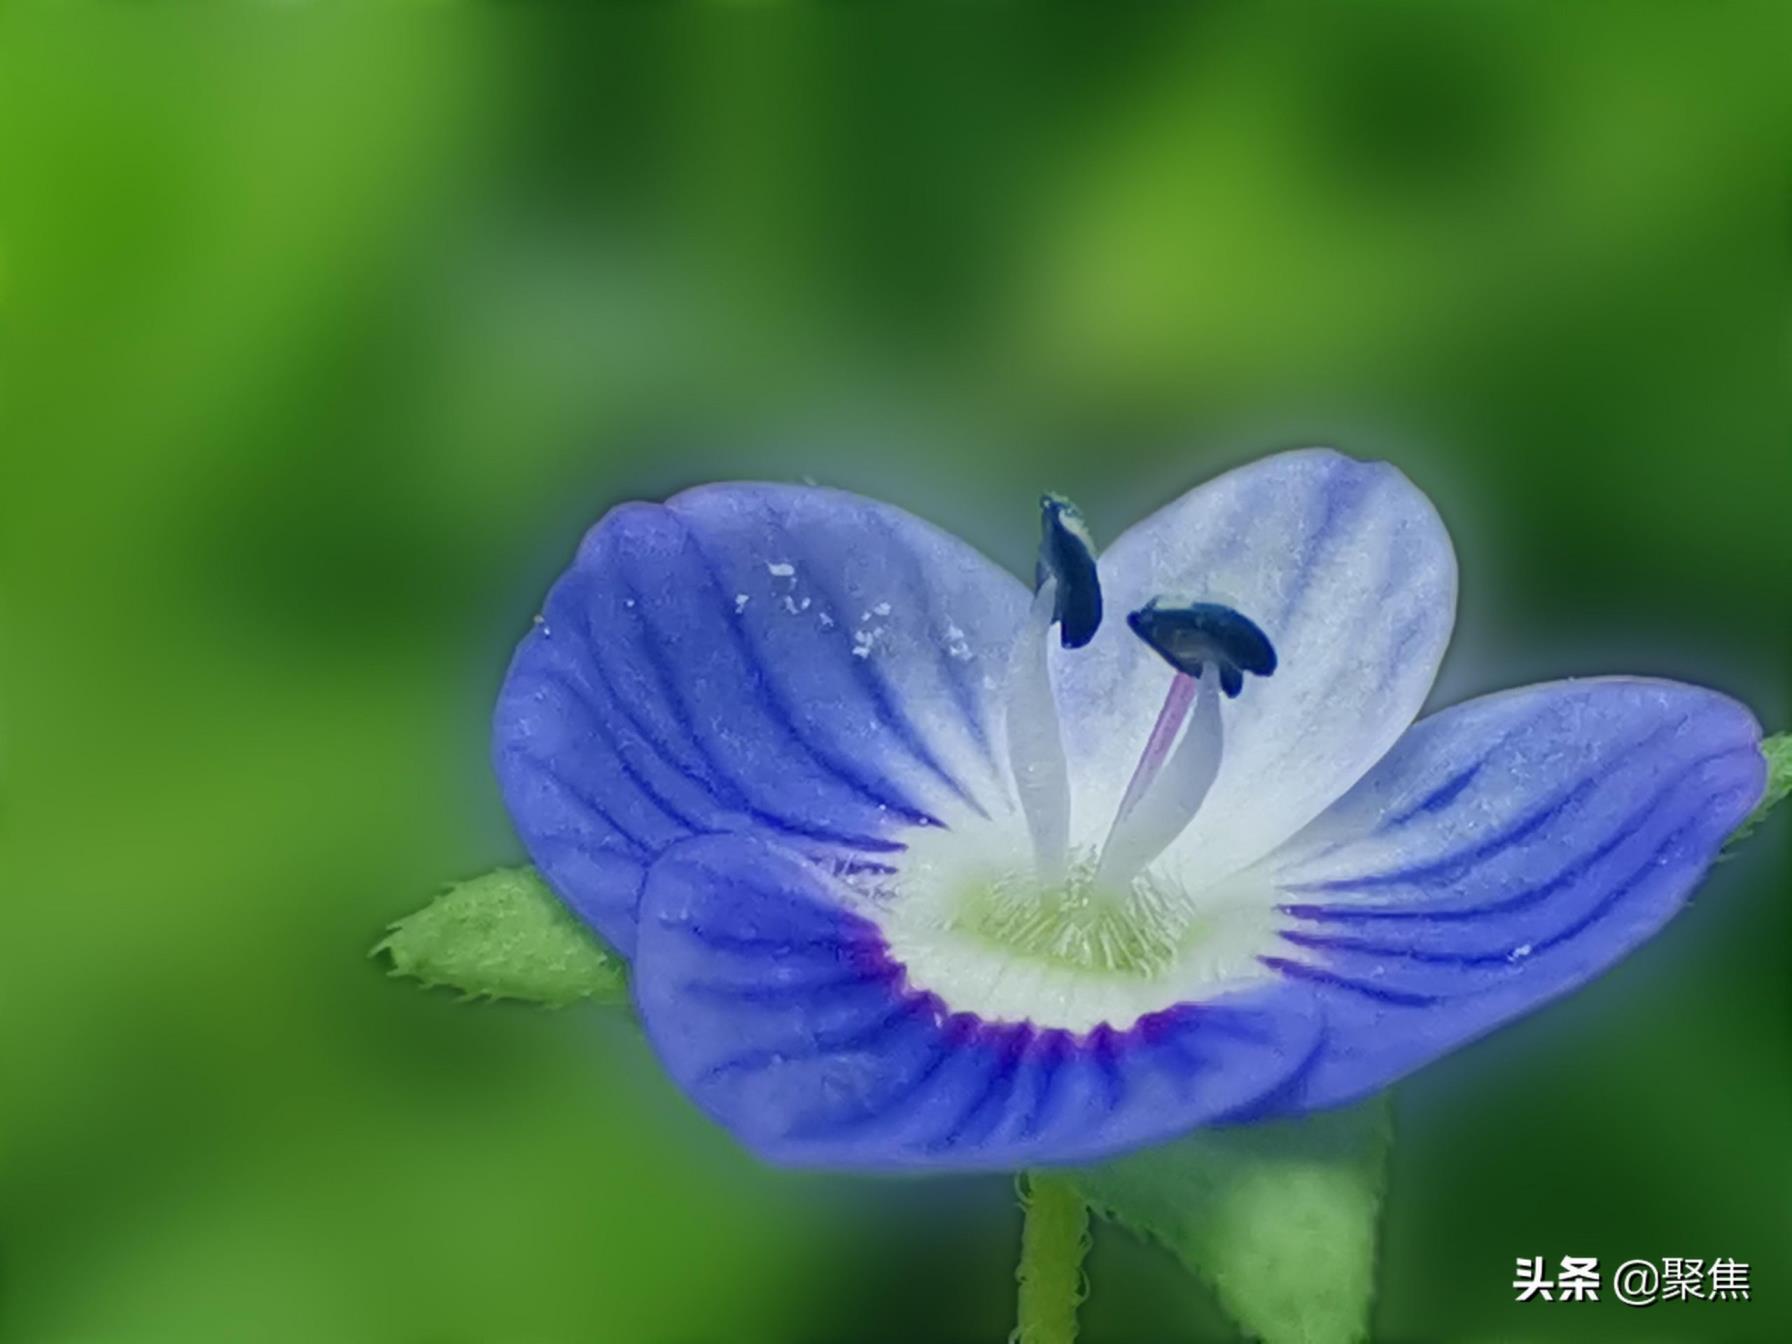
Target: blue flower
[[918, 868]]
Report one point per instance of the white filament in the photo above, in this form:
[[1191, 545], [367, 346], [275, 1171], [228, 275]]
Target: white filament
[[1148, 821], [1035, 745]]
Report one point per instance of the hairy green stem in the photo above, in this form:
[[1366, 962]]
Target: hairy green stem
[[1053, 1241]]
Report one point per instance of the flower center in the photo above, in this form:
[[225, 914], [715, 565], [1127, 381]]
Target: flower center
[[1182, 755], [1024, 927], [1138, 931], [971, 921]]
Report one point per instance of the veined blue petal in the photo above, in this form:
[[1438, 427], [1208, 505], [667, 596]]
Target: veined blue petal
[[1347, 569], [791, 662], [1505, 852], [782, 1013]]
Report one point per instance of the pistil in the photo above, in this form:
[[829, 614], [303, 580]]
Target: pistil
[[1170, 718]]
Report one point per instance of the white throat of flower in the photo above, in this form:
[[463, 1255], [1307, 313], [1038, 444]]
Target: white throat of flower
[[1018, 922]]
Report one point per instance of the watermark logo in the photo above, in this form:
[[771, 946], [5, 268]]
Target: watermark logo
[[1635, 1283]]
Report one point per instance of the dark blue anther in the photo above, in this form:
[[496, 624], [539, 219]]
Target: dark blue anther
[[1191, 635], [1067, 554]]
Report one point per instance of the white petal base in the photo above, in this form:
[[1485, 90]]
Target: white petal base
[[970, 922]]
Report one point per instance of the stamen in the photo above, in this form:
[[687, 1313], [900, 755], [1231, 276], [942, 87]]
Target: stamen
[[1168, 787], [1035, 745], [1067, 554], [1068, 593], [1190, 635], [1170, 718], [1158, 809]]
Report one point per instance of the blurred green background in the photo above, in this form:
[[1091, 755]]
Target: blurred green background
[[327, 333]]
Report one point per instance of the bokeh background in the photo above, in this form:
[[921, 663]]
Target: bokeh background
[[326, 333]]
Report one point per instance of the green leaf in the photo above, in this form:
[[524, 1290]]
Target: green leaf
[[1778, 751], [1279, 1219], [505, 936]]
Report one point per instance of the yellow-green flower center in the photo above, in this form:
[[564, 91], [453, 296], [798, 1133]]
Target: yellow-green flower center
[[1139, 931]]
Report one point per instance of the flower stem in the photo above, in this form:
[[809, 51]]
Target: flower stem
[[1053, 1241]]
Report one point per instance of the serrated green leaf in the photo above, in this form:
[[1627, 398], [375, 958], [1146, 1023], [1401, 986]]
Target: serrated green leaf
[[505, 936], [1279, 1219], [1778, 751]]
